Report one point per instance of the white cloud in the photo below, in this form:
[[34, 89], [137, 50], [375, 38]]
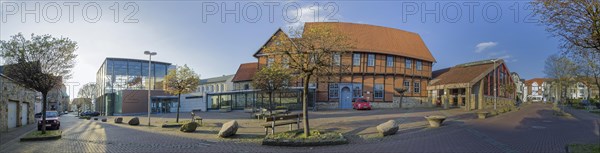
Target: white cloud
[[484, 45]]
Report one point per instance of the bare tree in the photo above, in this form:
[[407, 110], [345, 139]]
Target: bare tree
[[562, 70], [271, 79], [89, 92], [179, 81], [39, 63], [310, 54], [575, 22], [589, 68]]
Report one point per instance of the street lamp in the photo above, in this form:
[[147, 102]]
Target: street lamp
[[150, 54], [495, 84]]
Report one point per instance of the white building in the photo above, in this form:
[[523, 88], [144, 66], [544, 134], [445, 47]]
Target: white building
[[195, 101], [520, 88], [578, 91], [536, 89]]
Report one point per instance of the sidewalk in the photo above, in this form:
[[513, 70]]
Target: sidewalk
[[14, 133]]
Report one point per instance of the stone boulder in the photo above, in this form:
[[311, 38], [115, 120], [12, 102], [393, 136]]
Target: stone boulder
[[119, 120], [189, 127], [134, 121], [228, 129], [104, 120], [388, 128]]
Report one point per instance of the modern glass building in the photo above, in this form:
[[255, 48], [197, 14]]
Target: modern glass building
[[117, 75], [237, 100]]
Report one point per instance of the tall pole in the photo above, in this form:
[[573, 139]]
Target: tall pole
[[149, 85], [149, 81], [495, 85]]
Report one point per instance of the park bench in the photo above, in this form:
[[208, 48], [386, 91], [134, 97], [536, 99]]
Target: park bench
[[281, 120], [263, 113]]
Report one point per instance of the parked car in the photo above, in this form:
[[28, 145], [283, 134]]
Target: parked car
[[361, 104], [52, 120], [89, 113]]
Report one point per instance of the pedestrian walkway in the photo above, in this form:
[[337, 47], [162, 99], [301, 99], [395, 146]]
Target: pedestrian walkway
[[14, 133]]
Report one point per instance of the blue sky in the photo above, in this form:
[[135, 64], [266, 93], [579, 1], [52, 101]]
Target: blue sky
[[192, 32]]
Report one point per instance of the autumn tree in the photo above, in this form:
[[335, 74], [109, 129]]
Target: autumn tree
[[40, 63], [575, 22], [179, 81], [310, 53], [271, 79], [88, 92]]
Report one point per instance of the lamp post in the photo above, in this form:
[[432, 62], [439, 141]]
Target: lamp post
[[150, 54], [495, 84]]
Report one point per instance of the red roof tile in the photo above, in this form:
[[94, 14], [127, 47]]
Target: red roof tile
[[245, 72]]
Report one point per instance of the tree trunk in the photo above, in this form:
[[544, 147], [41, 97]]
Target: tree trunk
[[305, 106], [400, 102], [178, 106], [271, 103], [44, 100]]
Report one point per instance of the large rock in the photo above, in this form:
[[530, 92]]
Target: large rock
[[388, 128], [134, 121], [189, 127], [119, 120], [228, 129]]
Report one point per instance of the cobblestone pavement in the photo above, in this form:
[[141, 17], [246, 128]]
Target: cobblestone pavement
[[532, 129]]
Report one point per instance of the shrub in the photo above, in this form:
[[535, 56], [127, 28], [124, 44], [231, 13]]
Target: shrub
[[493, 113]]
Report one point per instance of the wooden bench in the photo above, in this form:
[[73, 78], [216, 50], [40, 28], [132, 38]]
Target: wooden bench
[[264, 113], [280, 120]]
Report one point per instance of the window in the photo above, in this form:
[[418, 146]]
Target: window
[[417, 87], [270, 61], [356, 59], [371, 60], [419, 65], [357, 91], [333, 90], [286, 62], [246, 86], [390, 61], [222, 88], [407, 86], [378, 91], [336, 59], [408, 63]]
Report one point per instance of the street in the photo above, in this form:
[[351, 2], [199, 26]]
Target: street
[[532, 129]]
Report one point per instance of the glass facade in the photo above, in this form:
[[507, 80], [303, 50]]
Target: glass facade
[[291, 98], [118, 74]]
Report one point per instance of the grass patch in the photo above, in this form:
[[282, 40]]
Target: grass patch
[[37, 135], [297, 138], [584, 148]]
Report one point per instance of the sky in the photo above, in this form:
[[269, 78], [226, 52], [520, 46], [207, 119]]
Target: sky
[[215, 37]]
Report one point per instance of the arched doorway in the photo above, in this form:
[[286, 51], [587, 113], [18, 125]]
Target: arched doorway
[[346, 98]]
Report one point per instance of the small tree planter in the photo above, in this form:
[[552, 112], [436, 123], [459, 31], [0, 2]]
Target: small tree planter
[[482, 114], [435, 120]]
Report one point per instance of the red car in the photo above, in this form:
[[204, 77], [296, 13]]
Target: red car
[[361, 104]]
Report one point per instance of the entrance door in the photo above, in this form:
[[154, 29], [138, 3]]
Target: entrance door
[[12, 114], [24, 112], [346, 98]]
